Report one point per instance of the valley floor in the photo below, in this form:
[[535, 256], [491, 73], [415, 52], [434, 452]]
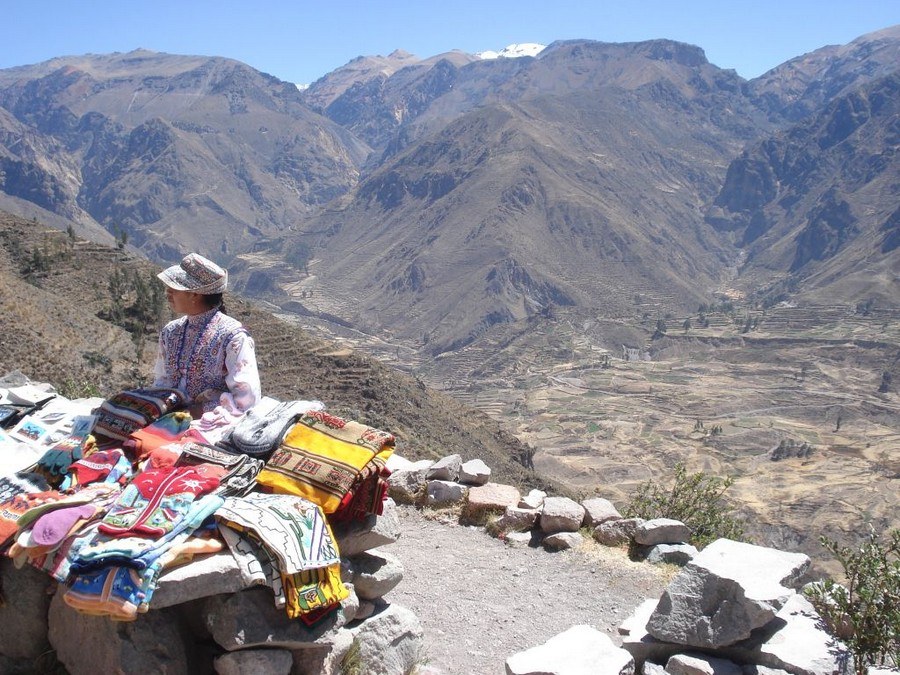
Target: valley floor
[[791, 409]]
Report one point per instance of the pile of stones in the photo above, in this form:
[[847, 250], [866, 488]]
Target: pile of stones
[[733, 608], [204, 619]]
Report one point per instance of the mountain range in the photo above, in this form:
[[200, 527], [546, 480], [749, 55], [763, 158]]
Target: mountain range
[[435, 199]]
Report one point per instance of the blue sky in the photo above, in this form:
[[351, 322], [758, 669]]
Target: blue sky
[[299, 41]]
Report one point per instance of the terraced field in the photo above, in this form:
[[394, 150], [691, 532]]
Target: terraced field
[[720, 399]]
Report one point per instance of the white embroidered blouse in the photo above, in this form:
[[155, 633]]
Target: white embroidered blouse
[[212, 358]]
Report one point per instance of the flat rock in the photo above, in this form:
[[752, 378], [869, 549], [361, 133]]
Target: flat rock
[[725, 593], [375, 573], [581, 650], [598, 510], [662, 531], [696, 664], [561, 514], [562, 541], [474, 472], [488, 499], [358, 536], [210, 575]]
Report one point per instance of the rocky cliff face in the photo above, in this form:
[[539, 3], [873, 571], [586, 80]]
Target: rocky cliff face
[[811, 202], [174, 151]]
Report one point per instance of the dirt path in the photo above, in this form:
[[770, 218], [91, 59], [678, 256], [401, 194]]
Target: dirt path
[[480, 600]]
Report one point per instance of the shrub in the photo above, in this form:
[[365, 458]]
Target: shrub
[[865, 613], [696, 500], [77, 388]]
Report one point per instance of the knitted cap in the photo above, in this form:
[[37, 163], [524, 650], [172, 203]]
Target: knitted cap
[[195, 274]]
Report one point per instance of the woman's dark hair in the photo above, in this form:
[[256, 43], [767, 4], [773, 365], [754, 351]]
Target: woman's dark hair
[[214, 300]]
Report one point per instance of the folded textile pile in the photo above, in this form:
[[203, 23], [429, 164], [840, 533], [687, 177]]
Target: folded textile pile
[[336, 463], [286, 542], [105, 515]]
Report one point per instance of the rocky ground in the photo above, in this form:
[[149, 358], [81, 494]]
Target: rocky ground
[[481, 600]]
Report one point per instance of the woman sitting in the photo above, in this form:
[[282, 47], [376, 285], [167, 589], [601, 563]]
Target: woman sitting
[[206, 354]]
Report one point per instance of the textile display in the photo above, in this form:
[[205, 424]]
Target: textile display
[[367, 494], [298, 542], [140, 552], [322, 456], [122, 592], [122, 414], [86, 495], [18, 494], [167, 429], [259, 434], [155, 500], [107, 466], [239, 471]]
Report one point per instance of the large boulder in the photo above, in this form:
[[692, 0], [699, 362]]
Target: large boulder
[[725, 593], [561, 514], [581, 650], [24, 613], [88, 645], [250, 619], [796, 642], [390, 641]]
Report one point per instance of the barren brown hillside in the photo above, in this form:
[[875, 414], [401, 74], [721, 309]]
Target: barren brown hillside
[[53, 287]]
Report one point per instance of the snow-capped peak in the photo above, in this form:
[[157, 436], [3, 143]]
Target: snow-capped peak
[[514, 51]]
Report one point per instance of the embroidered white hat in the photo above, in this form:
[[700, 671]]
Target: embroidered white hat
[[195, 274]]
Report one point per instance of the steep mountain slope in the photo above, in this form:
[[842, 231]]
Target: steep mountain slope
[[78, 347], [817, 205], [364, 71], [803, 85], [578, 180], [394, 111], [176, 151]]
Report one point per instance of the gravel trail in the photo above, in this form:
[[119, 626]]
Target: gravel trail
[[481, 600]]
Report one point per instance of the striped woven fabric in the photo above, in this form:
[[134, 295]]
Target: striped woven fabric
[[323, 456], [128, 411]]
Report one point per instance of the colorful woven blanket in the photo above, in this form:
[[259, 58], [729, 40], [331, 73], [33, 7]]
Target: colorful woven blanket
[[128, 411], [291, 535], [323, 456]]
